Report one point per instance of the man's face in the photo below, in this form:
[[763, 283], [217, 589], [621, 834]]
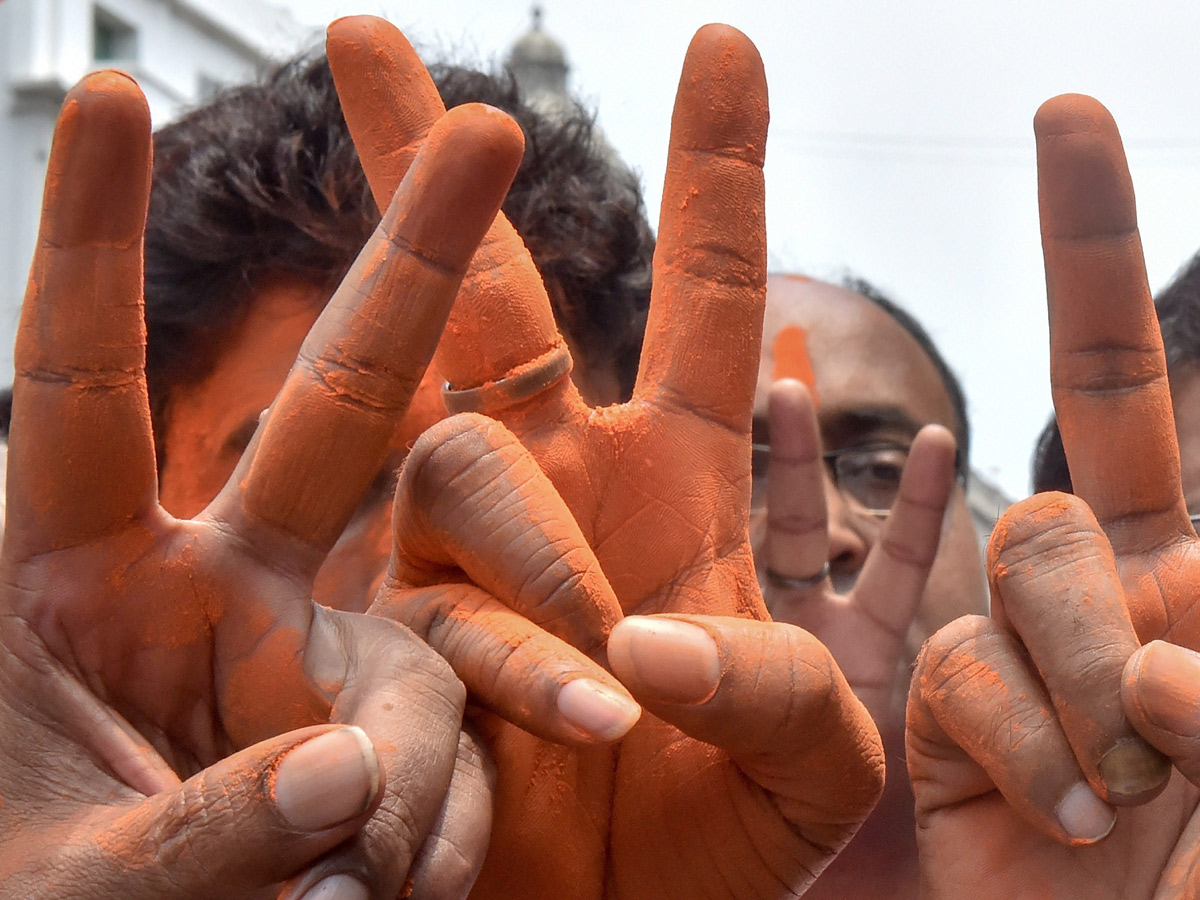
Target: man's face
[[210, 424], [874, 386]]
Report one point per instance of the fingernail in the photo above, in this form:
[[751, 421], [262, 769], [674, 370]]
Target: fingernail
[[1084, 816], [676, 662], [1133, 771], [1168, 687], [337, 887], [596, 709], [327, 780]]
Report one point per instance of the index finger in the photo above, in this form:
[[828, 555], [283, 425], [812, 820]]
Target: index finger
[[329, 429], [82, 458], [706, 308], [502, 324], [1107, 367]]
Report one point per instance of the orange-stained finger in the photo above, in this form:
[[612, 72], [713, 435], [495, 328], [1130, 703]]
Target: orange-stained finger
[[81, 458], [502, 324], [1159, 693], [772, 697], [389, 100], [710, 264], [1053, 575], [979, 720], [471, 498], [797, 533], [329, 430], [511, 666], [1107, 367]]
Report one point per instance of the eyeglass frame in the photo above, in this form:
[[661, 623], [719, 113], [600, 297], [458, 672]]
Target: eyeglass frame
[[832, 458]]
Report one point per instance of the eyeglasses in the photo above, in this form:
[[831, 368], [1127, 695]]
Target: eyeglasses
[[868, 476]]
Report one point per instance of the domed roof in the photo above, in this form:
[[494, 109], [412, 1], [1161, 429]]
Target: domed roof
[[536, 48]]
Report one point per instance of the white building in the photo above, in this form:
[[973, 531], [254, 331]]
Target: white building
[[180, 51]]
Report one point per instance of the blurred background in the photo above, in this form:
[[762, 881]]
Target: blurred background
[[901, 146]]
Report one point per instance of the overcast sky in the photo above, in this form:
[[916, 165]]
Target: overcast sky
[[900, 145]]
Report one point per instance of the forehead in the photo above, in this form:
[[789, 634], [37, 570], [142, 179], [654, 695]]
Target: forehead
[[862, 359]]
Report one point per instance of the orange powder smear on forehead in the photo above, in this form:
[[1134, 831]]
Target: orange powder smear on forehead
[[791, 358]]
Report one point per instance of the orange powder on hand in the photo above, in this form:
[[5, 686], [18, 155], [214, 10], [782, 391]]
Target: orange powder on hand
[[791, 358]]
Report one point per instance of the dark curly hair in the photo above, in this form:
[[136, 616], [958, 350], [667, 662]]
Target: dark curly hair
[[1178, 309], [265, 179]]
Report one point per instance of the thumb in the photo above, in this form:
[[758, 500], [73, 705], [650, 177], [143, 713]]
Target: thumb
[[772, 697], [1158, 692], [252, 820]]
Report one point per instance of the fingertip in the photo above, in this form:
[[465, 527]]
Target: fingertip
[[1033, 516], [1083, 177], [1160, 688], [789, 395], [327, 780], [454, 189], [717, 42], [1072, 114], [722, 98], [931, 457], [1084, 817], [98, 178], [112, 102], [665, 659], [488, 137], [358, 30], [937, 436], [600, 711], [1133, 772]]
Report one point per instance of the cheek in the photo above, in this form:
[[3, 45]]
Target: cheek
[[350, 575]]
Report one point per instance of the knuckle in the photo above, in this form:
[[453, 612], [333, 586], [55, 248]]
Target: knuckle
[[454, 457], [1110, 368], [362, 383], [1041, 533], [399, 658], [956, 654]]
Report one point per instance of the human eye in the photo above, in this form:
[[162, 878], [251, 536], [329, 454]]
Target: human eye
[[872, 475]]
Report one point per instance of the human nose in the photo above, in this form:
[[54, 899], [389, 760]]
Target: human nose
[[849, 540]]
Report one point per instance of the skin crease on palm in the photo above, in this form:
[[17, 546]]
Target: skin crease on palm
[[874, 385], [727, 786], [134, 640], [1081, 687]]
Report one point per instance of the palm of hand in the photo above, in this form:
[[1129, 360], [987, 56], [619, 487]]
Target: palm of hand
[[669, 543], [202, 634], [660, 489], [170, 660]]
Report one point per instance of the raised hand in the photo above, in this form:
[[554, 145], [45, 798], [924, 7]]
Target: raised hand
[[137, 646], [756, 762], [1031, 732], [865, 628]]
